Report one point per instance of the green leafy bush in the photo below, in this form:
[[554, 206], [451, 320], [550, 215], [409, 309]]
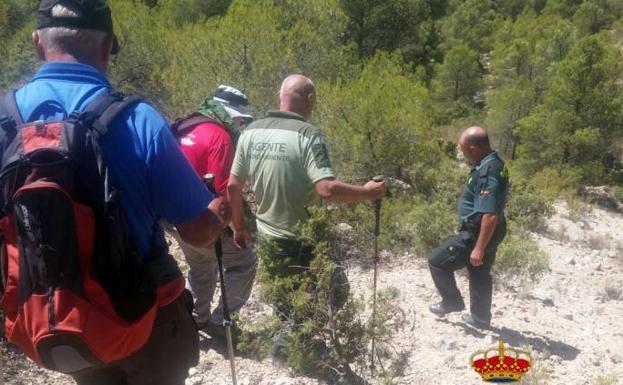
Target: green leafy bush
[[527, 206], [432, 222], [408, 223], [617, 192], [519, 256], [319, 327]]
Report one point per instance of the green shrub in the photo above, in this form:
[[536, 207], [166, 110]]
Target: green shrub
[[528, 205], [432, 222], [549, 182], [606, 380], [529, 210], [612, 290], [617, 192], [618, 248], [519, 256], [577, 209], [537, 375], [257, 337], [408, 223], [597, 241], [319, 328]]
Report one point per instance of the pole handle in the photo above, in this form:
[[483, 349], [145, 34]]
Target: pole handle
[[208, 181], [377, 208]]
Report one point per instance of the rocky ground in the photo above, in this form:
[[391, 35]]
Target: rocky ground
[[570, 321]]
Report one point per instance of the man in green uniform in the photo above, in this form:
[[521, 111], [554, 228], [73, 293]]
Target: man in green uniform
[[483, 227], [285, 160]]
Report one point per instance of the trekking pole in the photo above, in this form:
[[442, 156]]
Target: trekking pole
[[208, 179], [227, 322], [377, 231]]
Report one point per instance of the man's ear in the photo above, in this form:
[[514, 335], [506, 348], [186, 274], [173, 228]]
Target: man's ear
[[311, 100], [106, 48], [36, 41]]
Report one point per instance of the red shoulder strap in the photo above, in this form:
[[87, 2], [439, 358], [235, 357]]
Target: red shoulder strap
[[184, 126]]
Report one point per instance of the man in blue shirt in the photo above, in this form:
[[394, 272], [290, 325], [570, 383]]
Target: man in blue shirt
[[75, 40], [483, 227]]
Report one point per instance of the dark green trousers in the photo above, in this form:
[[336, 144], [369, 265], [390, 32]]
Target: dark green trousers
[[453, 254]]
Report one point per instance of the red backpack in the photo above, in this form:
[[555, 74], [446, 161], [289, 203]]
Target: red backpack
[[75, 292]]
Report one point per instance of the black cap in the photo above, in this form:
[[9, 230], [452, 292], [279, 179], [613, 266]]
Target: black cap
[[94, 14]]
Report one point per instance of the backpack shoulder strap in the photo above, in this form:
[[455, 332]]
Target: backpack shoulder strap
[[97, 117], [184, 126], [10, 117], [113, 111], [104, 109]]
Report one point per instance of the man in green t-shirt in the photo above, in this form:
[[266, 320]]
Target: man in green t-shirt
[[285, 160]]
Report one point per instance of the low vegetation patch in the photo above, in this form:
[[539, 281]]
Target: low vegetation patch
[[322, 330], [606, 380], [520, 256], [537, 375], [612, 289]]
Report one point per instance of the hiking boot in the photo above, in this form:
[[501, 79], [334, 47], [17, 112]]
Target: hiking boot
[[201, 324], [217, 331], [476, 321], [444, 308]]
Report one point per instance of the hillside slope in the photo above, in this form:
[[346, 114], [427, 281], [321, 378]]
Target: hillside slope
[[569, 321]]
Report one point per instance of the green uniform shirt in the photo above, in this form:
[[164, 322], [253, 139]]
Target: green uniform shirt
[[282, 157], [486, 188]]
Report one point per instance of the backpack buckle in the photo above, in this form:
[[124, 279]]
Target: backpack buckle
[[7, 123], [118, 95], [39, 126], [83, 119]]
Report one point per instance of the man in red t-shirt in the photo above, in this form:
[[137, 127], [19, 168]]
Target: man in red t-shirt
[[210, 149]]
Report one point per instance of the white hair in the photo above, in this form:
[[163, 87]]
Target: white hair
[[78, 42]]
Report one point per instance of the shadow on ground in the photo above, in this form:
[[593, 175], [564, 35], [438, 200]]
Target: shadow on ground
[[536, 342]]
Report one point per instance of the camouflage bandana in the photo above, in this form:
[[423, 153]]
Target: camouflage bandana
[[215, 111]]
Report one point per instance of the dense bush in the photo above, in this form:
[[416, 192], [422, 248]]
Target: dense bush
[[407, 224], [528, 207], [319, 327], [520, 256]]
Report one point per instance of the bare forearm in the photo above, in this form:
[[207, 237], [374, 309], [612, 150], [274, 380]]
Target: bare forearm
[[203, 230], [234, 195], [487, 228], [339, 192]]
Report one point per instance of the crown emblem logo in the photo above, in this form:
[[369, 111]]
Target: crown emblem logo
[[501, 364]]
